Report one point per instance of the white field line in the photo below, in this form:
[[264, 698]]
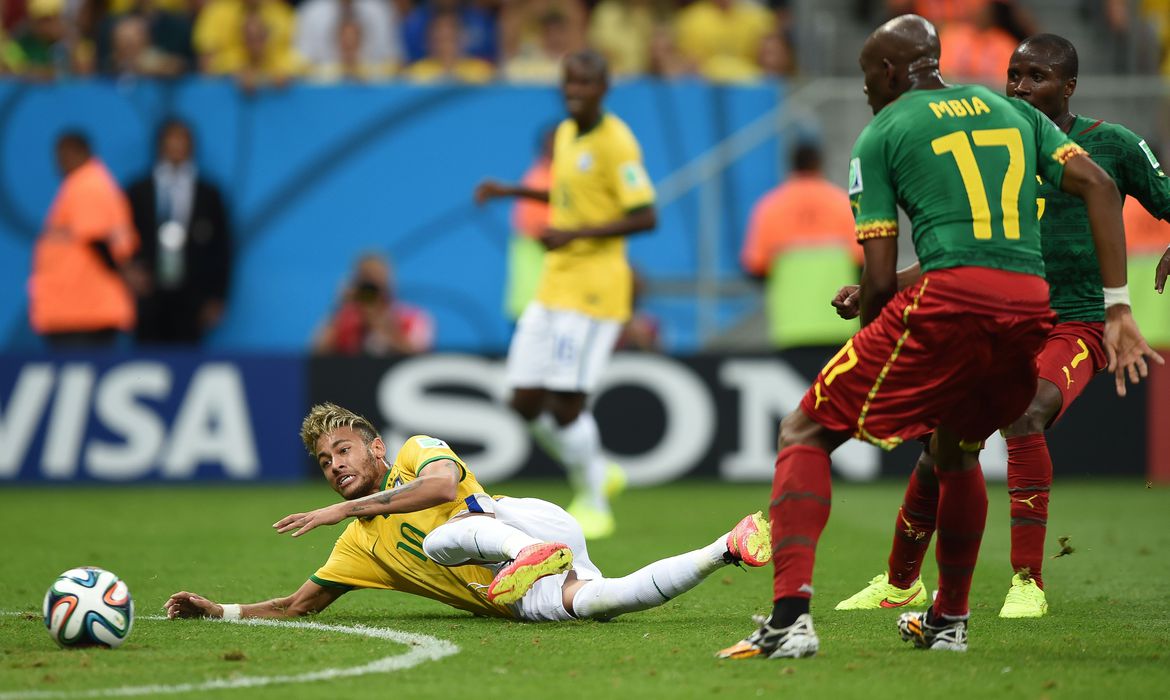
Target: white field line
[[422, 648]]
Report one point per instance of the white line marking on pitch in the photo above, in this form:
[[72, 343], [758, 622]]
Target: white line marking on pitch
[[423, 648]]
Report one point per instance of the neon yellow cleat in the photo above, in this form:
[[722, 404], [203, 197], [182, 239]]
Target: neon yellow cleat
[[750, 541], [1024, 599], [533, 563], [615, 480], [880, 593], [595, 523]]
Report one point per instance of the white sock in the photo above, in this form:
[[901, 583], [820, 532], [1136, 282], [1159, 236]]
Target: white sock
[[650, 586], [544, 431], [580, 449], [478, 538]]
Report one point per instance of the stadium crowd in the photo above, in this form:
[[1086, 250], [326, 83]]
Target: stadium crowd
[[272, 41], [263, 42]]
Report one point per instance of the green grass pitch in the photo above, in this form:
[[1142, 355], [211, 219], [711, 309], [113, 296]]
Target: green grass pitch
[[1107, 632]]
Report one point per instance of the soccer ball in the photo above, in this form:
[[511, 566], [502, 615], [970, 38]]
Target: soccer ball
[[89, 607]]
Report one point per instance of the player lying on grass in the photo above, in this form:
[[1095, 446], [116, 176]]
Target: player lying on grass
[[1043, 72], [424, 525], [953, 353]]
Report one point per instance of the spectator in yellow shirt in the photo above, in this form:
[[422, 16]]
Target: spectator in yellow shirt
[[541, 62], [723, 37], [264, 62], [666, 61], [522, 25], [180, 7], [447, 60], [221, 36], [622, 30], [351, 63], [1157, 14]]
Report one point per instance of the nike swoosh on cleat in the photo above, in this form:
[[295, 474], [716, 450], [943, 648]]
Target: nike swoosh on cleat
[[887, 603]]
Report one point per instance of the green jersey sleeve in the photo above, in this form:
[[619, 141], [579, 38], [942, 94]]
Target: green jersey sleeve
[[1140, 175], [871, 192], [1053, 147]]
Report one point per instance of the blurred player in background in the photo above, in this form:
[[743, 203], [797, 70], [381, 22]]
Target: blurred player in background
[[1043, 72], [600, 193], [441, 537], [953, 353]]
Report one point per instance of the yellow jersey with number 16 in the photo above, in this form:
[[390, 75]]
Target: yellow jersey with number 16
[[385, 551], [597, 178]]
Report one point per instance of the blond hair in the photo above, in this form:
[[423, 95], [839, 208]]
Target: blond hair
[[324, 418]]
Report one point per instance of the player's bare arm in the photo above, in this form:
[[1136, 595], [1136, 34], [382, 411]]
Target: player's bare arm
[[436, 485], [847, 301], [637, 221], [491, 189], [1161, 272], [1125, 346], [309, 599], [879, 278]]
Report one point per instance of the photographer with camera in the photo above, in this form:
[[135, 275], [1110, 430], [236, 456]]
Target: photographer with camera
[[370, 321]]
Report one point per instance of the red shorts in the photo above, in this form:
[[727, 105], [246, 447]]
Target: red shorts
[[1072, 354], [957, 349]]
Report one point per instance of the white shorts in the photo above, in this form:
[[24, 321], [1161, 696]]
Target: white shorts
[[549, 523], [559, 350]]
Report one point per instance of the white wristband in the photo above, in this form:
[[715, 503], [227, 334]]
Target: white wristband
[[231, 611], [1116, 295]]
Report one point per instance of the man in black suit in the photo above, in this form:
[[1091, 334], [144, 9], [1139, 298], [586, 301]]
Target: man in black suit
[[185, 256]]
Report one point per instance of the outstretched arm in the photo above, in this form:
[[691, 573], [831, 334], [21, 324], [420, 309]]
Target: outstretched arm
[[1125, 347], [636, 221], [491, 189], [309, 599], [437, 484]]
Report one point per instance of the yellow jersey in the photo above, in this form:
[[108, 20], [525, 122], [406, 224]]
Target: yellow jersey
[[385, 551], [465, 70], [710, 35], [597, 178]]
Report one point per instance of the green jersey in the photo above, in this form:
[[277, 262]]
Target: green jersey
[[1070, 258], [962, 163]]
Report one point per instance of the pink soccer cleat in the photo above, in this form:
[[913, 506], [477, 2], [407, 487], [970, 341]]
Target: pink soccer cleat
[[750, 541], [533, 563]]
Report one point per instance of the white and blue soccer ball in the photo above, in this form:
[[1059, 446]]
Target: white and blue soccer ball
[[89, 607]]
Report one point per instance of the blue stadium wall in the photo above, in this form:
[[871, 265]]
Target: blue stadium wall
[[317, 175]]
